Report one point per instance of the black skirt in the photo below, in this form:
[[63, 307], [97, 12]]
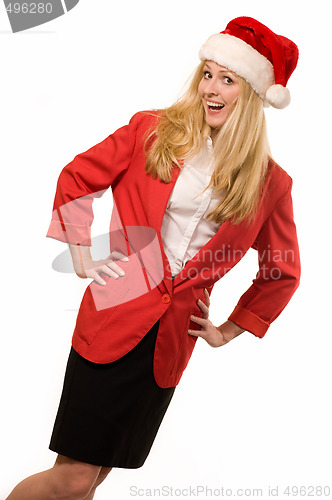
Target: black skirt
[[109, 414]]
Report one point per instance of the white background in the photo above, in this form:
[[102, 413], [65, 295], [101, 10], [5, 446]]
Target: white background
[[253, 414]]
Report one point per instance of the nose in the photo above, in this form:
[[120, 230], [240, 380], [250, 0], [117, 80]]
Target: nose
[[211, 87]]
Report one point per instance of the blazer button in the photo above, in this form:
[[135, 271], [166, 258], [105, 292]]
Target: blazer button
[[165, 298]]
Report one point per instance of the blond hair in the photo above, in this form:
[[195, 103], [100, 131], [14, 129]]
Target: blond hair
[[241, 149]]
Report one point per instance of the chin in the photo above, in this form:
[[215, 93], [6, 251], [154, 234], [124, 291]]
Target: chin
[[215, 124], [214, 121]]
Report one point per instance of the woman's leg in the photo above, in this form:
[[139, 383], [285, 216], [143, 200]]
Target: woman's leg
[[68, 479], [102, 475]]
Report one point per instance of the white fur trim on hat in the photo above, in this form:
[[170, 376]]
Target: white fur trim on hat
[[242, 59]]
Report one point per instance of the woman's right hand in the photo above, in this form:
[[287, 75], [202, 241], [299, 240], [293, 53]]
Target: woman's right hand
[[86, 267]]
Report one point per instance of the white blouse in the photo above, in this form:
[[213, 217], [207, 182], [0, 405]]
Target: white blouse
[[185, 230]]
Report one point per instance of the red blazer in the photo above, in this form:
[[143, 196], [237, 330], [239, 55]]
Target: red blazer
[[112, 319]]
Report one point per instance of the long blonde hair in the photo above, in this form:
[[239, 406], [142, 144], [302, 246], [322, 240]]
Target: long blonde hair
[[241, 149]]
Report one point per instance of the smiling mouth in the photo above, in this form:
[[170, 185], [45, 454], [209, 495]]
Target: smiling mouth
[[214, 106]]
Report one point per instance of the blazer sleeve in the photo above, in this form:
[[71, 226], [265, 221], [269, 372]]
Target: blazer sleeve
[[87, 177], [279, 270]]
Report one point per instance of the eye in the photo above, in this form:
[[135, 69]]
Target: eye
[[207, 74], [228, 80]]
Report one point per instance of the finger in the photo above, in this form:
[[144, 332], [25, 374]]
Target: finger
[[117, 269], [106, 269], [94, 273], [207, 297], [119, 256], [194, 333], [199, 321], [198, 333], [204, 308], [98, 279]]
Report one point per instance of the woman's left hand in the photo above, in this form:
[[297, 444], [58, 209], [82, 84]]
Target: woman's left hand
[[214, 336]]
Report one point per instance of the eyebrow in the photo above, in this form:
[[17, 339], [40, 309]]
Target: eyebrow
[[222, 70]]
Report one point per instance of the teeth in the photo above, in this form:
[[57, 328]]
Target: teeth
[[214, 104]]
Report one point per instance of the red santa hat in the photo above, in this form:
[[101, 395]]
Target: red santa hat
[[257, 54]]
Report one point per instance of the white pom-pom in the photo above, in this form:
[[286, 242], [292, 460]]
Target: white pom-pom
[[278, 96]]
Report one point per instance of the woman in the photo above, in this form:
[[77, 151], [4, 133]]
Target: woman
[[194, 187]]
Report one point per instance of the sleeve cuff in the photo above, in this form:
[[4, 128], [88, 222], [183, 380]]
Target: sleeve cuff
[[249, 321], [69, 233]]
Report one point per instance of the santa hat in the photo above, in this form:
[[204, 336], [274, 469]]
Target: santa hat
[[257, 54]]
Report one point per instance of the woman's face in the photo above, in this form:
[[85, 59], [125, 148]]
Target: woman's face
[[219, 90]]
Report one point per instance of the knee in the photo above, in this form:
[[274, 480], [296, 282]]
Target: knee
[[72, 480], [73, 488]]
